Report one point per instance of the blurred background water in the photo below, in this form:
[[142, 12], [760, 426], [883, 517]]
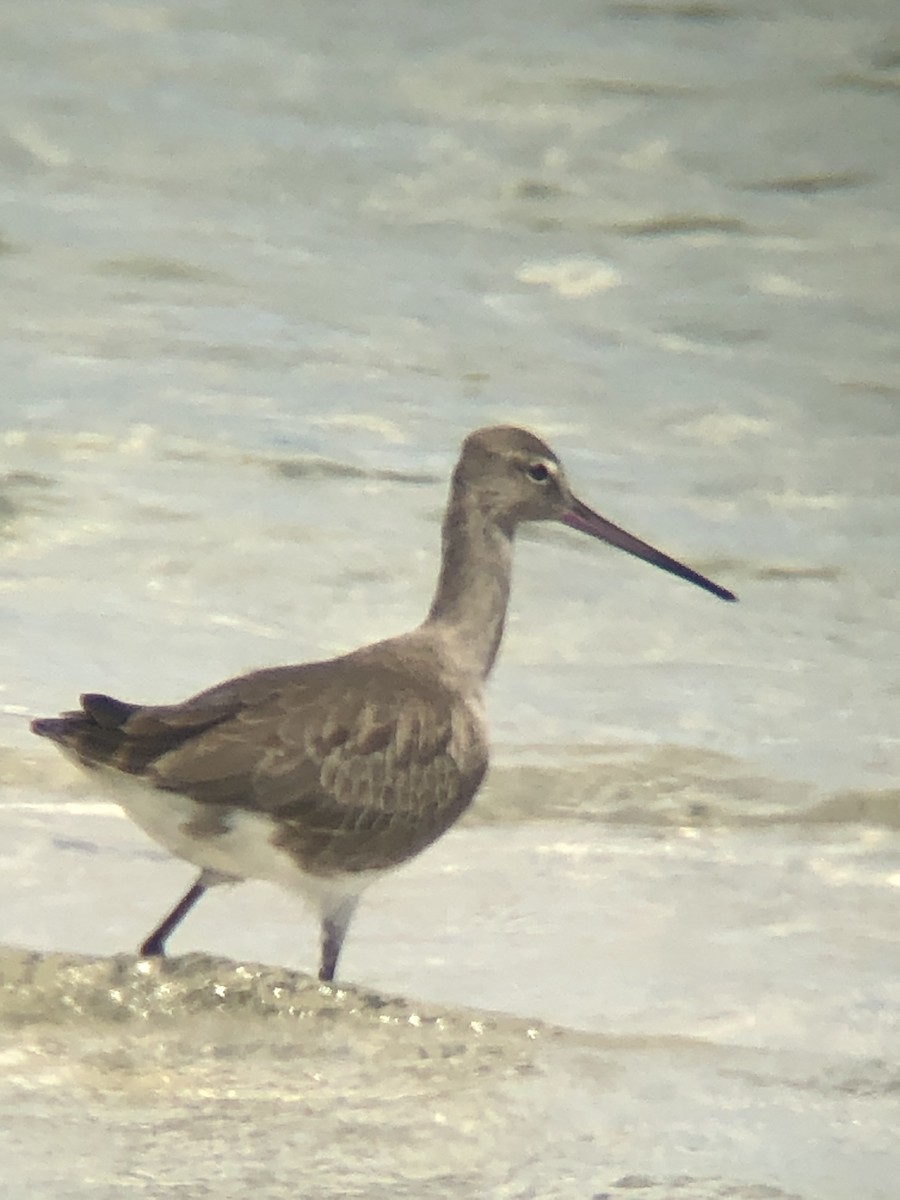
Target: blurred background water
[[263, 268]]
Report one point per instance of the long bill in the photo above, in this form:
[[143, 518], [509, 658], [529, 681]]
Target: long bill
[[585, 520]]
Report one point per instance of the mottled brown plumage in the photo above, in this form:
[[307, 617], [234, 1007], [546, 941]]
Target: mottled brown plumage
[[361, 764], [322, 775]]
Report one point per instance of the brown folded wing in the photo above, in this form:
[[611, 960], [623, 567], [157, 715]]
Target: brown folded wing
[[363, 766]]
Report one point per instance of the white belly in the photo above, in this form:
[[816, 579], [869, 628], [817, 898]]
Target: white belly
[[242, 850]]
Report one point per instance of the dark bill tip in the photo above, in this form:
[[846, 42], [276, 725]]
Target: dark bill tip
[[585, 520]]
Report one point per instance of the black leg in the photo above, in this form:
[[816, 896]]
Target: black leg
[[332, 938], [334, 928], [155, 945]]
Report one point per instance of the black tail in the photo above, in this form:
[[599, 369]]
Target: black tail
[[53, 728], [94, 733], [96, 710], [129, 737]]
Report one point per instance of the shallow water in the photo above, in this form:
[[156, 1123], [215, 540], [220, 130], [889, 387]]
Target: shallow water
[[261, 273], [154, 1077], [679, 1011]]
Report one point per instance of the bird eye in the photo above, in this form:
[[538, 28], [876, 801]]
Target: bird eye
[[538, 471]]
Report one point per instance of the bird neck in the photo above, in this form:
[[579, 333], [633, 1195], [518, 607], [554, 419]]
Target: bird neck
[[469, 606]]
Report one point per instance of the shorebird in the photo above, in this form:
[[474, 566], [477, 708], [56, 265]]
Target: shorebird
[[323, 776]]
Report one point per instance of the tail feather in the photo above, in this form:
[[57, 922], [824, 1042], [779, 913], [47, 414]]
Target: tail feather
[[53, 728], [98, 734], [107, 712]]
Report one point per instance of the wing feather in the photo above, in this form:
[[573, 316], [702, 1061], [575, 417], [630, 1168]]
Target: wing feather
[[358, 777], [361, 763]]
